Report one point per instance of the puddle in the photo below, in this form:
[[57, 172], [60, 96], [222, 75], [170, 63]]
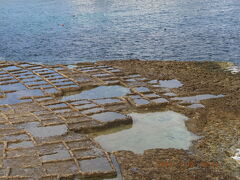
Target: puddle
[[106, 101], [170, 83], [101, 75], [98, 92], [63, 83], [12, 87], [134, 75], [140, 101], [15, 97], [50, 90], [79, 102], [142, 89], [169, 94], [114, 70], [195, 106], [160, 100], [32, 83], [197, 98], [130, 80], [57, 105], [153, 95], [156, 85], [71, 66], [85, 106], [150, 130], [44, 98], [134, 96], [11, 68]]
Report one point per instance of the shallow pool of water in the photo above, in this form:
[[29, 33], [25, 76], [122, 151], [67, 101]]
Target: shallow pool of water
[[149, 130], [195, 106], [98, 92], [173, 83], [17, 97], [196, 99]]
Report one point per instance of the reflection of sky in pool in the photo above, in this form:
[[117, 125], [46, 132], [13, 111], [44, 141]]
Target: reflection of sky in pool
[[170, 83], [150, 130], [197, 98], [98, 92], [15, 97]]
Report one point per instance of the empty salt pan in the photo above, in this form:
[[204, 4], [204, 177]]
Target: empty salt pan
[[44, 132], [58, 155], [23, 144], [95, 165]]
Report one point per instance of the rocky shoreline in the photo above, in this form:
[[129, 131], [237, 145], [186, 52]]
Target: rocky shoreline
[[52, 93], [218, 123]]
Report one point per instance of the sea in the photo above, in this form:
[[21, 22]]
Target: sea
[[70, 31]]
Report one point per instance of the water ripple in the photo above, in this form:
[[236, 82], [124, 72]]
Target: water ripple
[[66, 31]]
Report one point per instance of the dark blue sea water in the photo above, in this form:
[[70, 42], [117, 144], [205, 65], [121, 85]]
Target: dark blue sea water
[[68, 31]]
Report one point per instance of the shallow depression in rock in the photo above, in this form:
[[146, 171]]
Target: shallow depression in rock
[[197, 98], [174, 83], [150, 130], [44, 132], [15, 97], [98, 92]]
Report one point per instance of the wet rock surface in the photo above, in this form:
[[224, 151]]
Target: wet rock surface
[[218, 123], [46, 111]]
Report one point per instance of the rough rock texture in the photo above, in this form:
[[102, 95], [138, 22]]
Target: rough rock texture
[[218, 122], [39, 112], [167, 164]]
